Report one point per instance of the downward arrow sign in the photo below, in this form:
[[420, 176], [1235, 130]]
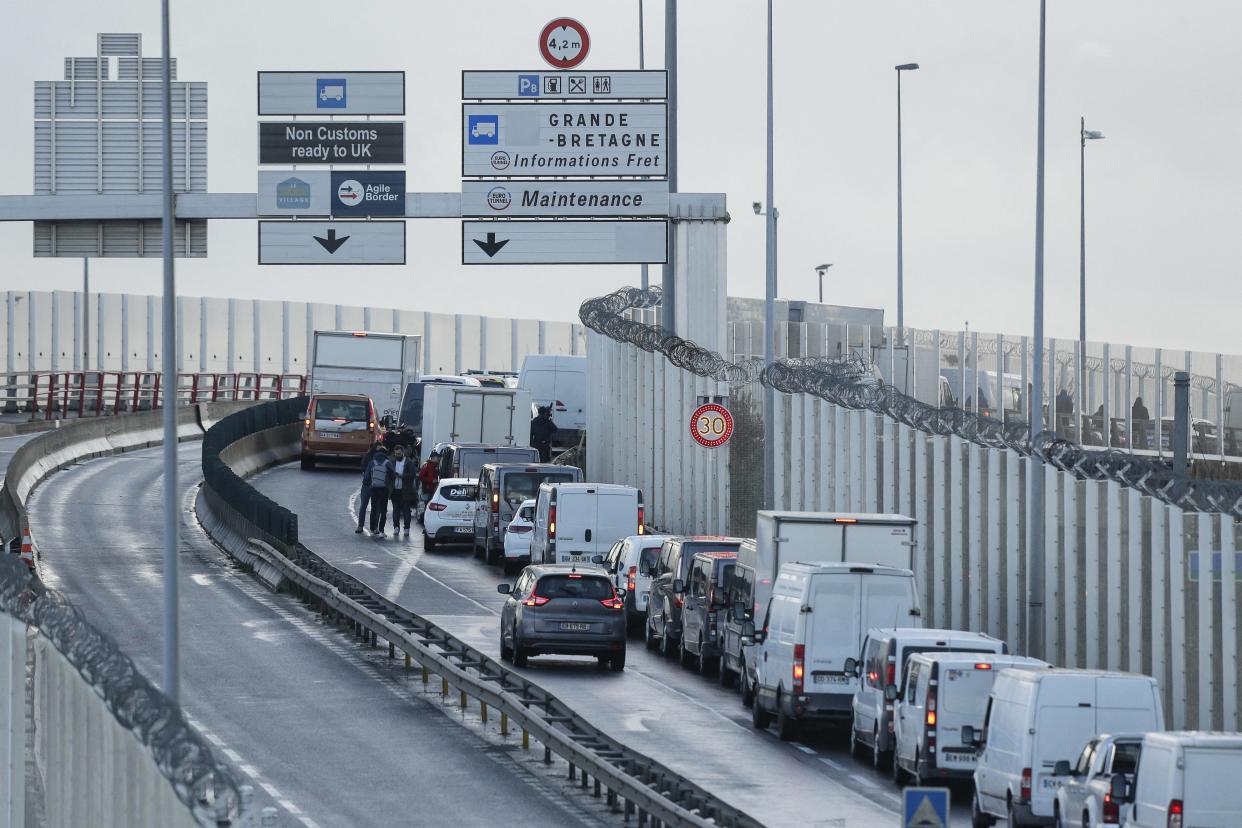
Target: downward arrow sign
[[491, 247], [331, 243]]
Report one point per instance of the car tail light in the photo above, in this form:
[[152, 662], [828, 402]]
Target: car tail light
[[436, 507], [551, 521], [1112, 812], [1175, 813], [536, 600], [629, 578], [641, 515], [799, 667], [890, 672], [496, 501], [308, 422], [614, 602], [1024, 787]]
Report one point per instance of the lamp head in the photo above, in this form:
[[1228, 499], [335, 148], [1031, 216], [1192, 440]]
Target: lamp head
[[1092, 135], [821, 269], [758, 205], [906, 67]]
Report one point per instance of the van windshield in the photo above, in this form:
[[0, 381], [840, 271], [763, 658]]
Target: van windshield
[[519, 486], [470, 461]]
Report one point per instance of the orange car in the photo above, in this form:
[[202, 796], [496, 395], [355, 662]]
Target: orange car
[[337, 427]]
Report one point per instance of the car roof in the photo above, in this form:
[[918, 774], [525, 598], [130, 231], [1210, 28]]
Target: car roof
[[530, 501], [716, 554], [567, 568], [459, 481]]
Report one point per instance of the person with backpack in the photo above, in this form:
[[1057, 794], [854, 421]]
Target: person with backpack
[[401, 489], [379, 491], [364, 493]]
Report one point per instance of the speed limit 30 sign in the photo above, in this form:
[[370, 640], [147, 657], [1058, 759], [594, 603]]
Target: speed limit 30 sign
[[711, 425]]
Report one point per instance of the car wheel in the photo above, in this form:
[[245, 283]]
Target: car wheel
[[649, 634], [897, 772], [308, 462], [759, 717], [786, 726], [723, 674], [707, 665], [856, 745], [666, 646], [684, 656], [1011, 818], [601, 661], [519, 652], [617, 662], [748, 692], [492, 554], [978, 819], [506, 652], [879, 757], [429, 542]]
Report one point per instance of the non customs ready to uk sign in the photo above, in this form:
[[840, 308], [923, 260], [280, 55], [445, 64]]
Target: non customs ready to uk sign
[[550, 199], [546, 139], [331, 93], [331, 142]]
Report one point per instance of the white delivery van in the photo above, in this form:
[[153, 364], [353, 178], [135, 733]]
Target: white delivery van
[[944, 695], [467, 414], [574, 522], [882, 663], [806, 650], [377, 365], [1038, 718], [559, 381], [1186, 778], [814, 537]]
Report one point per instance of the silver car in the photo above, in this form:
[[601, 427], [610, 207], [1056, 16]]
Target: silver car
[[564, 609]]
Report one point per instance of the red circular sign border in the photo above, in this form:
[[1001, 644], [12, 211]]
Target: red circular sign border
[[564, 22], [719, 409]]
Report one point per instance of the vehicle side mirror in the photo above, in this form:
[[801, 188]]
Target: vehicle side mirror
[[749, 635], [851, 667], [739, 609], [890, 692], [679, 587], [386, 421], [621, 593], [504, 589], [1061, 768], [597, 559], [1119, 788]]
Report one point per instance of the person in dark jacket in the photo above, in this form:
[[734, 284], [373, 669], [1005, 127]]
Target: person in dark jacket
[[364, 493], [428, 479], [401, 489], [379, 491], [542, 430], [1139, 415]]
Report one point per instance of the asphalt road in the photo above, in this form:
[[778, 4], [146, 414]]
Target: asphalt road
[[684, 720], [331, 733]]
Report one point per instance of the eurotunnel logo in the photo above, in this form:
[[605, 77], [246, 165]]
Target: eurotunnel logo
[[499, 199], [293, 194]]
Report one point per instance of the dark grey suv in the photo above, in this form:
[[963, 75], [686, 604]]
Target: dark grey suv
[[563, 609]]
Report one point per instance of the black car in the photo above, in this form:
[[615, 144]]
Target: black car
[[703, 613], [665, 605]]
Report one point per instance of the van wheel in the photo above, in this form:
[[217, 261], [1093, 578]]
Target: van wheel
[[879, 758], [492, 555], [785, 724], [308, 462], [899, 773], [1057, 822], [724, 675], [1086, 819], [1011, 818], [617, 662], [978, 819], [759, 717], [684, 656], [666, 645], [707, 665], [748, 692], [856, 747], [649, 635]]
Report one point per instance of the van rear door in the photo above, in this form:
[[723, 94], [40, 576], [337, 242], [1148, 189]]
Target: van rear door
[[1126, 703], [575, 516], [616, 517], [833, 630], [1211, 794], [878, 543], [1065, 720]]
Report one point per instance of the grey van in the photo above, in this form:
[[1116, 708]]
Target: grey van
[[502, 488], [468, 459], [703, 614]]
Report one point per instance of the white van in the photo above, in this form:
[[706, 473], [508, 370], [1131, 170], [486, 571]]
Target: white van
[[574, 522], [559, 381], [1186, 778], [1038, 718], [805, 663], [943, 695], [881, 665]]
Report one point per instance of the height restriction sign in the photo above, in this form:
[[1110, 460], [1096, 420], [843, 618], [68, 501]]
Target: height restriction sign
[[711, 425], [564, 43]]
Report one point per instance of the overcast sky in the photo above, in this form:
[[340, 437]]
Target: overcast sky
[[1158, 78]]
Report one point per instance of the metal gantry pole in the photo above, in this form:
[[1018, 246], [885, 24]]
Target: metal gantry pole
[[1035, 563], [669, 300], [642, 64], [901, 290], [769, 310], [86, 314], [172, 680], [1082, 246]]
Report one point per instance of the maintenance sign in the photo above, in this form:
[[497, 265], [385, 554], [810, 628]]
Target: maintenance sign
[[552, 199], [546, 139], [331, 142], [522, 86], [331, 242], [332, 93], [564, 242]]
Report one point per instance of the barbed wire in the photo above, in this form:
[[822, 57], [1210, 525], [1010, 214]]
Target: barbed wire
[[207, 787], [850, 382]]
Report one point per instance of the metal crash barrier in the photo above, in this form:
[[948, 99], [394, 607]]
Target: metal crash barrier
[[262, 534]]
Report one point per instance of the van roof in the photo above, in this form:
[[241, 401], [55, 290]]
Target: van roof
[[995, 659], [707, 538], [1070, 671], [929, 633], [837, 567], [716, 554], [1197, 738], [603, 488], [843, 517]]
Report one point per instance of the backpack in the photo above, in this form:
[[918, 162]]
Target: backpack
[[379, 471]]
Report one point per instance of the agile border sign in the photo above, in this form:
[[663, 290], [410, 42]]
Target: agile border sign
[[564, 43], [546, 139], [331, 142], [331, 93], [564, 242], [551, 199], [363, 193], [711, 425], [524, 86]]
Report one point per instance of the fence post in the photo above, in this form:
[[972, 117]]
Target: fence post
[[1177, 615], [13, 720], [1206, 701], [1229, 622]]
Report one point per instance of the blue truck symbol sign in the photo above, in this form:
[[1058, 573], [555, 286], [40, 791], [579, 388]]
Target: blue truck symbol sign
[[330, 93], [528, 86], [483, 129]]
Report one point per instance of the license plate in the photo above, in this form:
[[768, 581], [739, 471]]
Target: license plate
[[822, 678], [577, 558], [330, 435], [948, 758], [1049, 783], [463, 530], [570, 626]]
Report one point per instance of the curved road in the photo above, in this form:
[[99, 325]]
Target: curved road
[[331, 733], [684, 720]]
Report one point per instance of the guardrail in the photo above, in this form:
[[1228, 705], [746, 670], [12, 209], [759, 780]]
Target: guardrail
[[263, 534], [110, 749]]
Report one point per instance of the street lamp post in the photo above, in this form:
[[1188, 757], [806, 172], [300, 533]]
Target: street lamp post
[[642, 64], [769, 305], [821, 270], [1035, 558], [901, 299], [1084, 135]]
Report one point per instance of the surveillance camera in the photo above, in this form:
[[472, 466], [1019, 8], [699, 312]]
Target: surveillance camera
[[758, 205]]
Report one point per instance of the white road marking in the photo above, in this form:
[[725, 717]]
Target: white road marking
[[233, 755], [804, 748], [834, 765], [201, 579]]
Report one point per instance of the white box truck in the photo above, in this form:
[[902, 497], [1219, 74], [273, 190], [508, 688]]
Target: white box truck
[[465, 414], [378, 365]]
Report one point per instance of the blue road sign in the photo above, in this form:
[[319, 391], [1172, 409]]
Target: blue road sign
[[483, 129], [363, 193], [330, 93], [925, 808], [528, 86]]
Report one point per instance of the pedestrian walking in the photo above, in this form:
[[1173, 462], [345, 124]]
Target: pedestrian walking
[[379, 491], [364, 493], [428, 479], [542, 430], [1139, 417], [401, 489]]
